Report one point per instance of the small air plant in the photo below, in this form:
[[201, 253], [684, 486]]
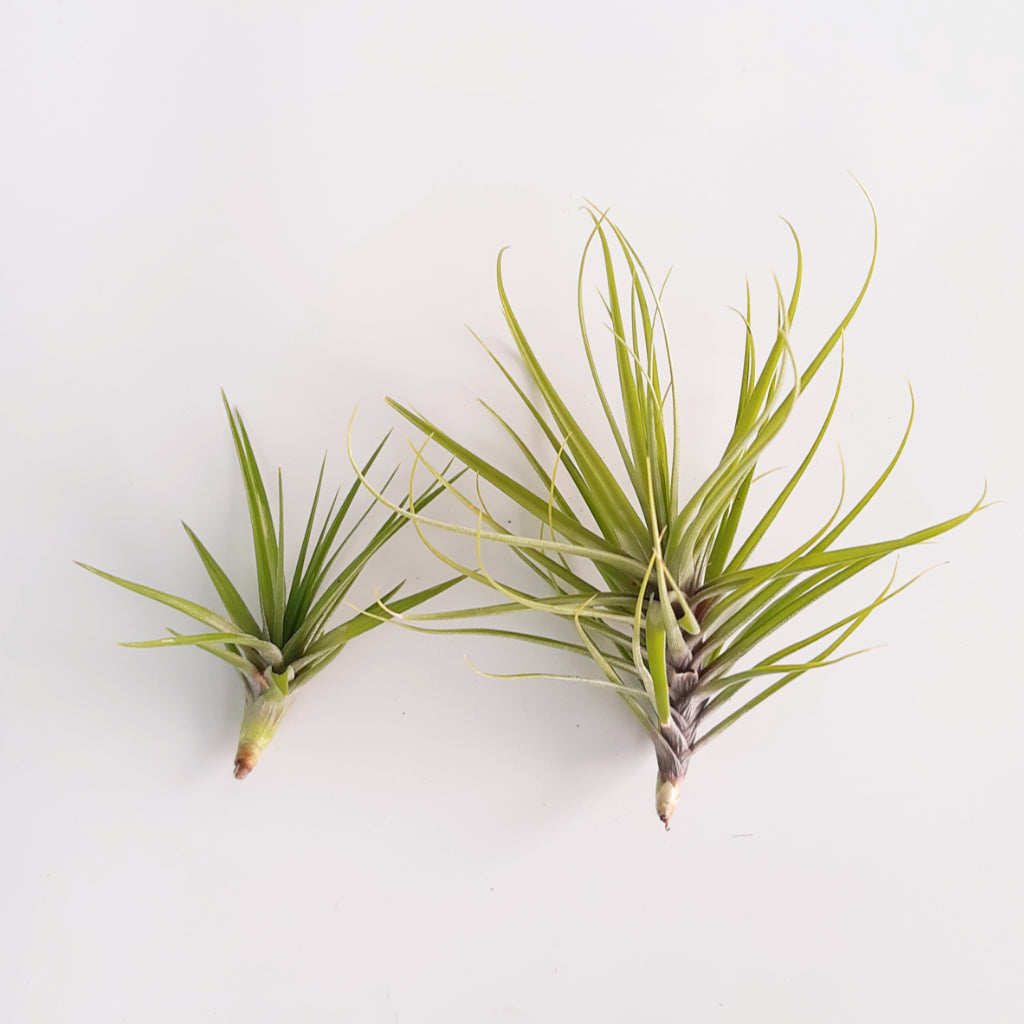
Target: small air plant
[[667, 601], [290, 642]]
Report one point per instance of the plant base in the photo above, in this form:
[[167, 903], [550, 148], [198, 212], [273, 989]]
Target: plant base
[[262, 716]]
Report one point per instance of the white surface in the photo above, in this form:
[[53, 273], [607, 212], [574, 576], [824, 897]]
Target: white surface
[[302, 203]]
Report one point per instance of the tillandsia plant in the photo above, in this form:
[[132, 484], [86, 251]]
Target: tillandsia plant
[[291, 639], [668, 598]]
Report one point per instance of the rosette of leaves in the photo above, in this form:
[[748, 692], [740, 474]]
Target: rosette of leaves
[[670, 601], [289, 639]]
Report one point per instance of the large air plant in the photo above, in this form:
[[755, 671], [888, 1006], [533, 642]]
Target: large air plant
[[665, 590], [290, 640]]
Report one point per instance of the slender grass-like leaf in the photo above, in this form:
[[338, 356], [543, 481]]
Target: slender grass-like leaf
[[234, 605]]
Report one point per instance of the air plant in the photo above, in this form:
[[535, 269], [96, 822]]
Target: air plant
[[291, 640], [668, 598]]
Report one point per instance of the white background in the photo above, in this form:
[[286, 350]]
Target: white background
[[302, 203]]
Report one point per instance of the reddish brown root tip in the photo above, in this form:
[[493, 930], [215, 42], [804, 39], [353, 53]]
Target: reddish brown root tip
[[246, 757]]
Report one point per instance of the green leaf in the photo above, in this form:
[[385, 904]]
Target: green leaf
[[624, 453], [300, 562], [629, 384], [282, 680], [656, 653], [605, 498], [568, 526], [844, 556], [233, 603], [788, 678], [756, 535], [726, 533], [375, 615], [557, 445], [594, 547], [263, 648], [264, 539], [323, 608], [302, 597], [279, 573], [245, 667], [546, 478], [189, 608]]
